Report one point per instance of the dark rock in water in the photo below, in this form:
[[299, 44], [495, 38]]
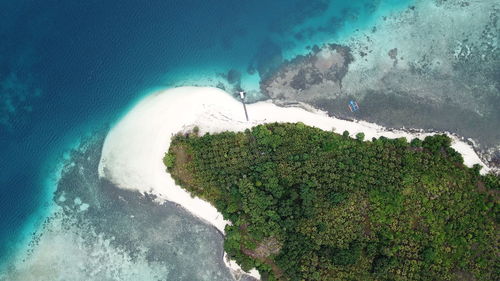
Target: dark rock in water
[[451, 86], [299, 81], [150, 237], [269, 58], [221, 86], [233, 76], [495, 159], [393, 54], [306, 76]]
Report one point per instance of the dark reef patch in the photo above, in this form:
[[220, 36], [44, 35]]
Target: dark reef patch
[[158, 233], [268, 59], [416, 113], [408, 73], [325, 66]]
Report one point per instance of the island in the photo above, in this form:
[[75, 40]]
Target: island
[[310, 204], [132, 155]]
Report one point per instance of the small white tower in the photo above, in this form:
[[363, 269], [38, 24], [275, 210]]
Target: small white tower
[[242, 97]]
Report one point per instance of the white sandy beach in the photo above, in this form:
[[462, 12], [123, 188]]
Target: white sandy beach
[[134, 148]]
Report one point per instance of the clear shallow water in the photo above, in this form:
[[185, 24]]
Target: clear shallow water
[[432, 66], [68, 67], [101, 232]]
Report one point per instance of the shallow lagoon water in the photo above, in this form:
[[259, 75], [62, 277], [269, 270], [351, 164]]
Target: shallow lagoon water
[[433, 66], [100, 232]]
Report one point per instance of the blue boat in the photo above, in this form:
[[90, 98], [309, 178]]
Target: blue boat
[[353, 106]]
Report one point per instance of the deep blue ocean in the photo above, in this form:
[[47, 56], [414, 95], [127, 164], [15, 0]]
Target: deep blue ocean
[[68, 68]]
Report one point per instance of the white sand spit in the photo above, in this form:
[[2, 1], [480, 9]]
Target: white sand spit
[[134, 148]]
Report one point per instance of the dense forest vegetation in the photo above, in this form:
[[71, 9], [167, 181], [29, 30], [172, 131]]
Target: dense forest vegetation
[[307, 204]]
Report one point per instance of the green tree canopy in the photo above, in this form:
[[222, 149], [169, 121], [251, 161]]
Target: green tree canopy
[[307, 204]]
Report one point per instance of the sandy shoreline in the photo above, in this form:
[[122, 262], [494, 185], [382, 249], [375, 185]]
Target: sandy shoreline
[[133, 150]]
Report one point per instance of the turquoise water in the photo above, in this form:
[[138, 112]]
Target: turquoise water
[[70, 67]]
